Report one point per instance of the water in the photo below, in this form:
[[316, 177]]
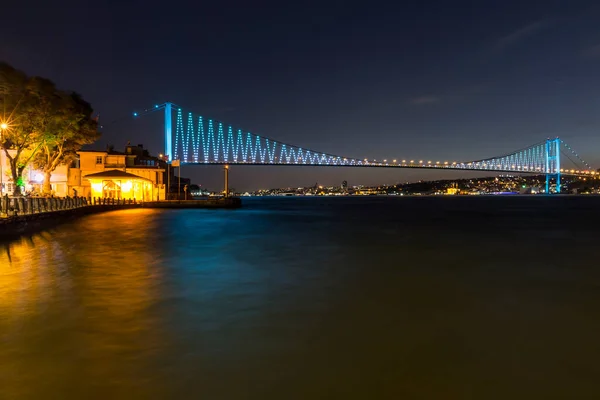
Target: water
[[309, 298]]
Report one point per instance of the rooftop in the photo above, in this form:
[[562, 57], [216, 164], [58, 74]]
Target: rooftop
[[115, 173], [111, 152]]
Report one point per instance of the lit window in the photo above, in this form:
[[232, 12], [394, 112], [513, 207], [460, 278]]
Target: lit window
[[99, 160]]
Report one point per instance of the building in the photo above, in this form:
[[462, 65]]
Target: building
[[33, 178], [117, 184], [113, 174], [135, 174]]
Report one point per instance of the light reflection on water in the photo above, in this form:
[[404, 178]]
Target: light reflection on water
[[308, 298]]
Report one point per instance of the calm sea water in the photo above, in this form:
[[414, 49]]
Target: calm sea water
[[309, 298]]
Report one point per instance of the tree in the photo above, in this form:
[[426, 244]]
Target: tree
[[45, 125], [70, 128], [27, 105]]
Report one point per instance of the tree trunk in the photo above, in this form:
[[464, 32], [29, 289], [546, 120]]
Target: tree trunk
[[47, 187], [16, 173]]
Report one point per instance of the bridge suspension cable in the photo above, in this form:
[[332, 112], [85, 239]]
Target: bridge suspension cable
[[199, 140]]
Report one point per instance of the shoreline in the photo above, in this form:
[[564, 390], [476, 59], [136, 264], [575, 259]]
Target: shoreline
[[13, 227]]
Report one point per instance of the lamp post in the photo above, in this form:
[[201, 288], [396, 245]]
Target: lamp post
[[3, 127], [226, 181]]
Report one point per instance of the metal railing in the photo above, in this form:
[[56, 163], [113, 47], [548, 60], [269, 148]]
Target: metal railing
[[13, 206]]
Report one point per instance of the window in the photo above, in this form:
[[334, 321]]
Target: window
[[99, 160]]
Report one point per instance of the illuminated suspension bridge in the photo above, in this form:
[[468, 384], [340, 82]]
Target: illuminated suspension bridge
[[197, 140]]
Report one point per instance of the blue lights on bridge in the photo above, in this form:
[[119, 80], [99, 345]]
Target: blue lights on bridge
[[212, 142], [205, 141]]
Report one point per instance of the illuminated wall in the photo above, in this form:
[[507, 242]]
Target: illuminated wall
[[122, 189]]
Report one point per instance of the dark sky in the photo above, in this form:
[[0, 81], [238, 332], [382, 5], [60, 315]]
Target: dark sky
[[440, 80]]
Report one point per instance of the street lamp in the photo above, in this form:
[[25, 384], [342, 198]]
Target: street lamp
[[3, 127]]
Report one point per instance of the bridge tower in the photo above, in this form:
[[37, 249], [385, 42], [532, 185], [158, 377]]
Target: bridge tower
[[553, 163], [168, 131]]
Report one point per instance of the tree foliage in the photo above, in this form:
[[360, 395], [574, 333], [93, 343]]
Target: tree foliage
[[71, 128], [45, 125]]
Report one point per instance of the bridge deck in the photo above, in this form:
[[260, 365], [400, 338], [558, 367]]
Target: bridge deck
[[398, 166]]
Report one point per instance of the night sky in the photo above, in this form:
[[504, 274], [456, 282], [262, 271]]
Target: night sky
[[434, 80]]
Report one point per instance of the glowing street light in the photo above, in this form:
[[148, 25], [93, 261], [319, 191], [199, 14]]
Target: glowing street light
[[3, 127]]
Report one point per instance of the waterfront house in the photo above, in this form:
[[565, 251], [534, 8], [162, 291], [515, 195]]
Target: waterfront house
[[116, 184], [145, 179], [60, 181], [121, 175]]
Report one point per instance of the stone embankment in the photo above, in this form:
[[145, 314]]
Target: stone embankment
[[22, 215]]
